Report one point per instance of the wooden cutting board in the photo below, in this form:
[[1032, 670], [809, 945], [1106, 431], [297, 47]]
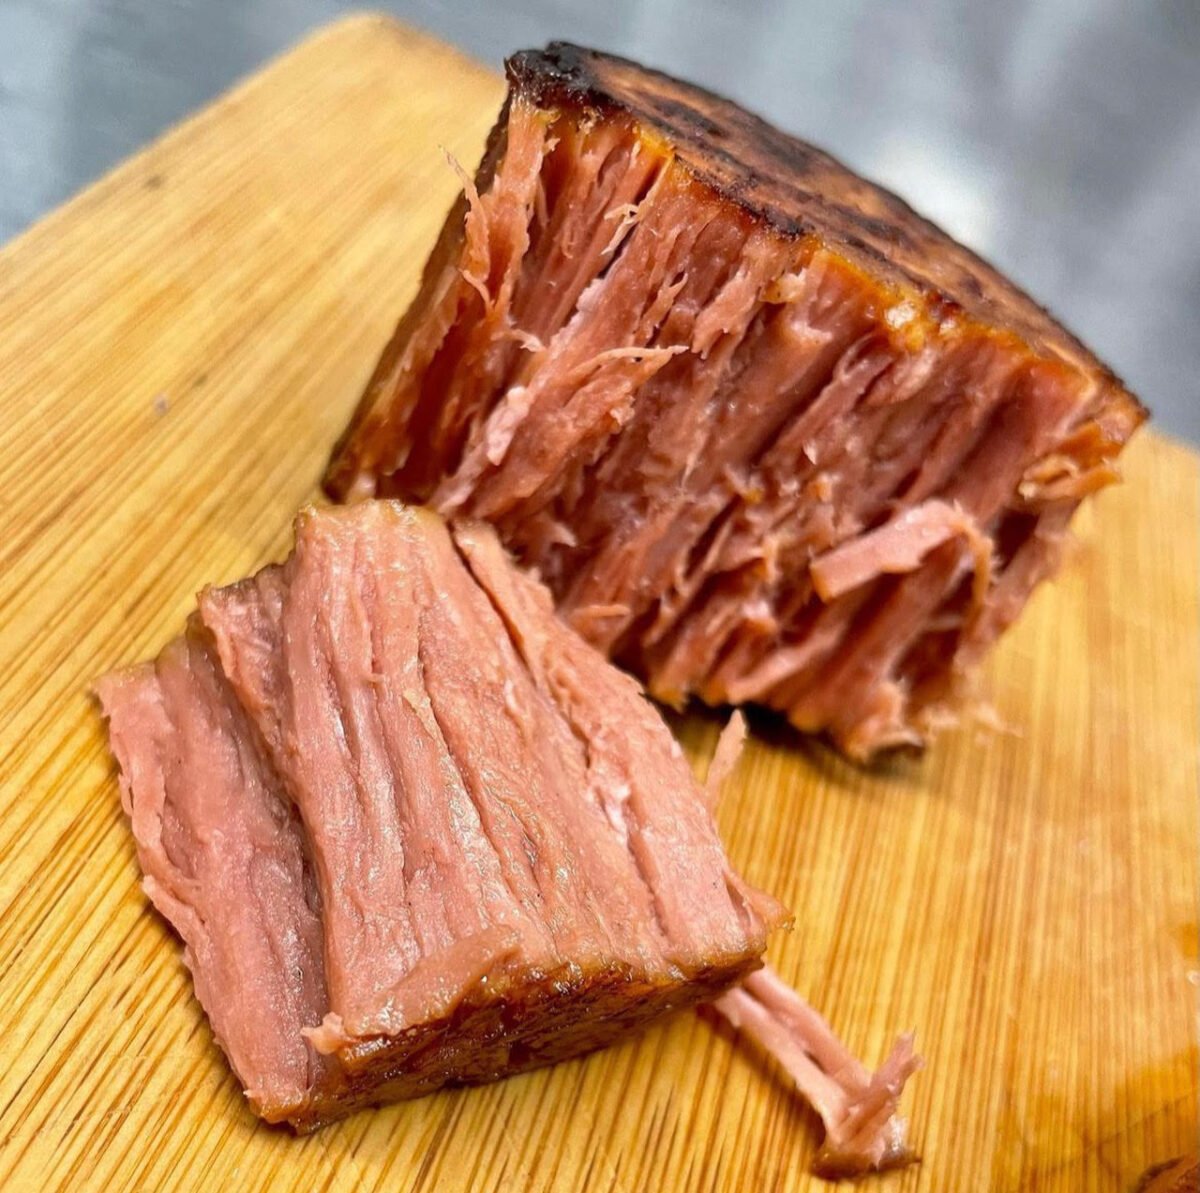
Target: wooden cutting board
[[179, 347]]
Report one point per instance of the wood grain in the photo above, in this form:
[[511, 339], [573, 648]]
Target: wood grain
[[179, 346]]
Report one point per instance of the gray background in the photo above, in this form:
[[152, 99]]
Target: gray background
[[1060, 138]]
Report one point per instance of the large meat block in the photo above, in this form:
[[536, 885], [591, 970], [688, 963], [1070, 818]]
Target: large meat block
[[766, 433]]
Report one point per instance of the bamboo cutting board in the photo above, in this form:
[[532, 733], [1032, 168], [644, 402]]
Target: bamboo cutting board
[[179, 347]]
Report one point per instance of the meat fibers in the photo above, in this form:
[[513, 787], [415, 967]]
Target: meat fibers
[[412, 829], [766, 434]]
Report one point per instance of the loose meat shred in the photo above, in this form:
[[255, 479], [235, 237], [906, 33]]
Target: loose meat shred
[[725, 756], [750, 418], [900, 546], [863, 1132]]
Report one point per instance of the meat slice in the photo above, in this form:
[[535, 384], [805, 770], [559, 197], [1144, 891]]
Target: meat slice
[[412, 829], [765, 433]]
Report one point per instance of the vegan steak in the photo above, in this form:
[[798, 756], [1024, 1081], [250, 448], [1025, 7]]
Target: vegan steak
[[767, 434]]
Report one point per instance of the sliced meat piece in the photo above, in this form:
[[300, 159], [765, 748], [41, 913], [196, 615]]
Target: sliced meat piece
[[511, 862], [717, 390], [225, 862], [485, 796]]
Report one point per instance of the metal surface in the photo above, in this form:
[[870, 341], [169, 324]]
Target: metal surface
[[1059, 138]]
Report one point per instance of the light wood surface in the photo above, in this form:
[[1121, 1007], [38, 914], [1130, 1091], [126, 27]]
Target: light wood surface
[[179, 346]]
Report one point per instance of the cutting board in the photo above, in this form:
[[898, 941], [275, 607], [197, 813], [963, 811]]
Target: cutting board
[[179, 347]]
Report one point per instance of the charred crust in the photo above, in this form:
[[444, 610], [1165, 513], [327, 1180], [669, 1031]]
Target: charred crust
[[524, 1025], [797, 190]]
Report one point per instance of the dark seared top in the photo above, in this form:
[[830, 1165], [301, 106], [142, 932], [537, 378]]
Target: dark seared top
[[799, 191]]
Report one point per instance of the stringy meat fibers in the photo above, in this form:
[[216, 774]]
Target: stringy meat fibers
[[765, 433], [412, 829]]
